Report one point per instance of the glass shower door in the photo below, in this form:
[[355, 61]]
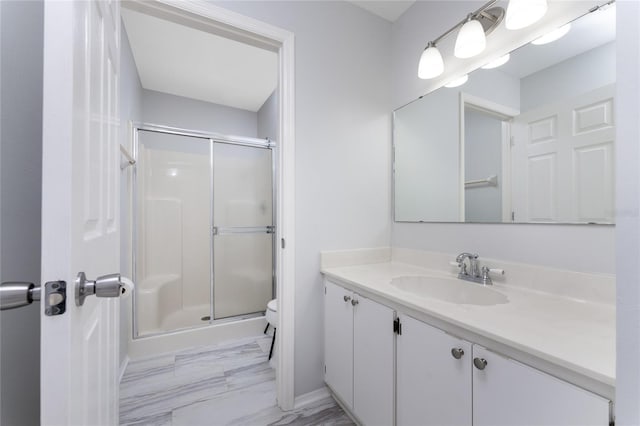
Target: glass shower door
[[172, 225], [243, 229]]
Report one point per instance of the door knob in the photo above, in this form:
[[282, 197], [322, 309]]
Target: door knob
[[346, 298], [354, 302], [112, 285], [480, 363], [17, 294], [457, 353]]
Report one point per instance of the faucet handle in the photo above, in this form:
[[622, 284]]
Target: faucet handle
[[486, 278]]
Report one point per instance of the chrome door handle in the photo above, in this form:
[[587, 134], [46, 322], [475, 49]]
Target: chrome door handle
[[105, 286], [346, 298], [18, 294], [354, 302]]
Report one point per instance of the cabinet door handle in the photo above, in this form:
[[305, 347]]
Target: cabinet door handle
[[347, 298], [480, 363], [354, 302], [457, 353]]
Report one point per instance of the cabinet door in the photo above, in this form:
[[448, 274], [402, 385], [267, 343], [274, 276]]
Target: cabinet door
[[373, 362], [433, 386], [338, 341], [506, 392]]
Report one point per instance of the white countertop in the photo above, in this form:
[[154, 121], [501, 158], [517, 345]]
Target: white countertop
[[573, 334]]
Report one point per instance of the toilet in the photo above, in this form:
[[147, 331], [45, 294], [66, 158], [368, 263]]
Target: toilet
[[271, 315]]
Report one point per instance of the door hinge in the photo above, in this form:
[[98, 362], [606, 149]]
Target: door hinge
[[282, 244], [325, 369], [325, 290], [513, 216], [397, 326], [512, 141]]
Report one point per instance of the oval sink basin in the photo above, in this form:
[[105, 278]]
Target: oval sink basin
[[449, 290]]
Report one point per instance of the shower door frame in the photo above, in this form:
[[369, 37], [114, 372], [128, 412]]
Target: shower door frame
[[211, 138]]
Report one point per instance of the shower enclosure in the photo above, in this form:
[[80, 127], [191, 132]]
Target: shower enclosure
[[203, 228]]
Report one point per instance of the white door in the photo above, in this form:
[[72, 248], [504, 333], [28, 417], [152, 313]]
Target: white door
[[373, 376], [433, 376], [507, 393], [80, 229], [563, 160], [338, 341]]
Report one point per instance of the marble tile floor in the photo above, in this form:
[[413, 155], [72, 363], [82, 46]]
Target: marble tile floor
[[229, 384]]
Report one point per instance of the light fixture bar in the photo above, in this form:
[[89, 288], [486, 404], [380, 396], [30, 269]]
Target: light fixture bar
[[480, 11]]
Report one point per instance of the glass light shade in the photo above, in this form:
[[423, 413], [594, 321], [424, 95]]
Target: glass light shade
[[471, 40], [553, 35], [431, 64], [497, 62], [458, 81], [522, 13]]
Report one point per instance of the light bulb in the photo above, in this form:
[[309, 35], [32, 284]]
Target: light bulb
[[431, 64], [497, 62], [553, 35], [471, 40], [458, 81], [522, 13]]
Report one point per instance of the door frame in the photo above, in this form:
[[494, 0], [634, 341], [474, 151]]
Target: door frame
[[205, 16]]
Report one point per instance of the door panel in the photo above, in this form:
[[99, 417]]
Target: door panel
[[80, 228], [338, 337], [243, 273], [563, 160], [242, 186], [433, 387], [373, 361], [500, 397]]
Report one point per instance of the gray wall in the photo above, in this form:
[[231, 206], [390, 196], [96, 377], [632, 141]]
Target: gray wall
[[186, 113], [342, 57], [580, 248], [268, 118], [568, 79], [21, 38], [130, 110]]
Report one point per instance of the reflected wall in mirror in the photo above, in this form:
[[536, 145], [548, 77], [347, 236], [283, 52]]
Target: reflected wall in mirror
[[529, 141]]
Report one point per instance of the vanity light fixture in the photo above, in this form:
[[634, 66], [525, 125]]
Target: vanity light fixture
[[431, 63], [497, 62], [553, 35], [471, 39], [522, 13], [474, 29], [457, 81]]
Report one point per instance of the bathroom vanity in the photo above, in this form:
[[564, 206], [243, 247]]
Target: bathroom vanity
[[401, 348]]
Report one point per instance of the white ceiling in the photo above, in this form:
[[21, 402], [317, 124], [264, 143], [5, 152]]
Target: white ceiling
[[179, 60], [387, 9]]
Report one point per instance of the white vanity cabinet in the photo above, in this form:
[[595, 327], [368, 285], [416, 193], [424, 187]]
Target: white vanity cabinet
[[508, 393], [359, 354], [439, 379], [433, 376]]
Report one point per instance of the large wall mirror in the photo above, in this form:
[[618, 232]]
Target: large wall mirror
[[529, 141]]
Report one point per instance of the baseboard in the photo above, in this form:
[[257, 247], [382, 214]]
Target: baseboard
[[311, 397], [123, 368], [345, 408]]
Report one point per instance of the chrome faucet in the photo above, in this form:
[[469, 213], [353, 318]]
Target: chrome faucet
[[473, 264], [475, 273]]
